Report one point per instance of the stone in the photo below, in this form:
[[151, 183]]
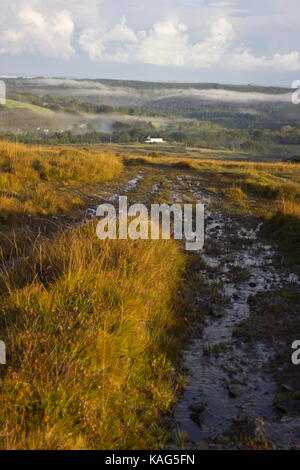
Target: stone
[[288, 388], [196, 413], [216, 311], [234, 390], [288, 406]]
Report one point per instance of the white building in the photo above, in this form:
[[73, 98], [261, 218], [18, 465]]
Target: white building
[[152, 140]]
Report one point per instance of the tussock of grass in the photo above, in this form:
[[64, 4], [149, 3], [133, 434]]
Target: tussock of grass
[[284, 227], [33, 180], [89, 338], [137, 161], [281, 192], [235, 193]]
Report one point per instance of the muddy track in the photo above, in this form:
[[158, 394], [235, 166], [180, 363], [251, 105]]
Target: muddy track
[[230, 389]]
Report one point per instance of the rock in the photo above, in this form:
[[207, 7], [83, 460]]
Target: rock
[[216, 311], [196, 413], [197, 408], [252, 284], [288, 388], [234, 390], [288, 406]]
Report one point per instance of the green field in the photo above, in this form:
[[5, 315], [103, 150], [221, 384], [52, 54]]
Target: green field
[[176, 151], [22, 105]]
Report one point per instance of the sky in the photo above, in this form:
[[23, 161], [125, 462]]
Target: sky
[[238, 41]]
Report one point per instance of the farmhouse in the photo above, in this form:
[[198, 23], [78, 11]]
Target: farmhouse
[[154, 140]]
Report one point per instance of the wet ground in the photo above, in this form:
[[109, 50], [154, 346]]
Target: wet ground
[[228, 379]]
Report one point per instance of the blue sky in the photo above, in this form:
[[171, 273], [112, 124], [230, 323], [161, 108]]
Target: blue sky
[[176, 40]]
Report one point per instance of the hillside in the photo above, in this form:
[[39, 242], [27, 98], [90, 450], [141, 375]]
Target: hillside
[[12, 104], [259, 121]]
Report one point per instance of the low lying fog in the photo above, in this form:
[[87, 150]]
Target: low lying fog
[[97, 92]]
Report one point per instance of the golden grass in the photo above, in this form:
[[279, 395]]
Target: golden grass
[[22, 105], [92, 330], [93, 327], [235, 193], [37, 180]]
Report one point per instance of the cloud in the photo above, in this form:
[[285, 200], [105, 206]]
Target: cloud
[[215, 34], [290, 61], [35, 32], [244, 59], [167, 43], [110, 44]]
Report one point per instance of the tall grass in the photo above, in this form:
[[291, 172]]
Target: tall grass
[[37, 180], [92, 330]]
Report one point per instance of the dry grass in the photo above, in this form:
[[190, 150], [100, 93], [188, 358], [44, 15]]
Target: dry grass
[[37, 180], [91, 329], [235, 193]]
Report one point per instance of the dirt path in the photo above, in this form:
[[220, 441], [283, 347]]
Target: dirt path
[[230, 398], [230, 390]]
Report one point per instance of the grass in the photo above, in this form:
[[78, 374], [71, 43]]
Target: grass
[[37, 180], [22, 105], [92, 332], [168, 150], [94, 328], [235, 193]]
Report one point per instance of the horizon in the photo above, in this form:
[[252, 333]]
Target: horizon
[[179, 82]]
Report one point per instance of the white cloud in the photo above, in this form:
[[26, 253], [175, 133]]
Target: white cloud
[[34, 32], [245, 60], [92, 43], [108, 43], [167, 43], [290, 61]]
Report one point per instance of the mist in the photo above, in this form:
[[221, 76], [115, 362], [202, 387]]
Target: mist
[[117, 95]]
